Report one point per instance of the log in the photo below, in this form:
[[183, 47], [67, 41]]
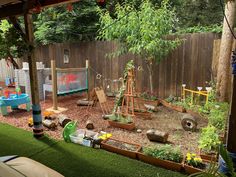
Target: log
[[189, 122], [157, 136], [49, 124], [84, 103], [63, 119], [89, 125]]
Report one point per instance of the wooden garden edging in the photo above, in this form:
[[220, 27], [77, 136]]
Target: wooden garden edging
[[159, 162], [172, 106]]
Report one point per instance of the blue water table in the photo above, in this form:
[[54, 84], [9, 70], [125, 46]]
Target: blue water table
[[14, 100]]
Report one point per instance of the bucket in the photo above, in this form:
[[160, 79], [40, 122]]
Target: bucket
[[223, 166]]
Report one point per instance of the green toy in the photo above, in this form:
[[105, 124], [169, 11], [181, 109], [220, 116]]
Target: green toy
[[69, 128]]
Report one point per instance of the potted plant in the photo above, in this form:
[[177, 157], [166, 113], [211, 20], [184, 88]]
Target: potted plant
[[166, 156], [121, 147], [208, 143], [193, 164]]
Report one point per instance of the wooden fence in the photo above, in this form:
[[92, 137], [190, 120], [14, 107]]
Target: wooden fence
[[6, 70], [190, 63]]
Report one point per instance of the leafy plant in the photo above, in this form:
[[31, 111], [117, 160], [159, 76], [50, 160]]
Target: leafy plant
[[218, 115], [215, 28], [209, 139], [193, 160], [166, 152], [148, 96]]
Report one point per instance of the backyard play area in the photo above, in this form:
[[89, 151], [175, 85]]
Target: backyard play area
[[121, 89]]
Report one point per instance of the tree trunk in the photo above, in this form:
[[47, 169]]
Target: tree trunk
[[223, 74], [150, 70], [12, 61]]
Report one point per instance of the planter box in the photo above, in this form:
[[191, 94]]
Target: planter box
[[127, 153], [144, 115], [191, 170], [129, 127], [172, 106], [208, 157], [161, 163]]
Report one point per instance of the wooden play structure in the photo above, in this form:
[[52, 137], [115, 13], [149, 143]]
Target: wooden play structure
[[66, 81], [193, 93], [127, 108]]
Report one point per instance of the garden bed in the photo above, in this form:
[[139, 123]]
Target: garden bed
[[172, 106], [128, 126], [120, 147], [159, 162]]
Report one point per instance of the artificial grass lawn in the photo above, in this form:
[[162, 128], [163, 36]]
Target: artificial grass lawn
[[73, 160]]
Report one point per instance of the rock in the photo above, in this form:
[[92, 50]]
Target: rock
[[89, 125], [150, 107], [139, 131], [156, 135], [189, 122]]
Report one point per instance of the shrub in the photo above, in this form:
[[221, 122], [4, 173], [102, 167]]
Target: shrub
[[209, 139]]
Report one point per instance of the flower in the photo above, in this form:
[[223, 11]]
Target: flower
[[193, 160]]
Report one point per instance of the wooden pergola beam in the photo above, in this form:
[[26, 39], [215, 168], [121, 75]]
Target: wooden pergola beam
[[28, 5]]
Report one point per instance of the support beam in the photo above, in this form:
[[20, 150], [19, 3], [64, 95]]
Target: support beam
[[231, 143], [37, 117], [54, 83]]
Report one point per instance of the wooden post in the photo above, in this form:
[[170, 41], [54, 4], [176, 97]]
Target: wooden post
[[88, 79], [231, 143], [37, 117], [54, 84]]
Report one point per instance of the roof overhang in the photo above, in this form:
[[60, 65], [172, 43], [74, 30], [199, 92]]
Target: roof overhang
[[19, 7]]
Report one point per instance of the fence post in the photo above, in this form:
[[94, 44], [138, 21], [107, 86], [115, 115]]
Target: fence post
[[54, 84], [88, 79]]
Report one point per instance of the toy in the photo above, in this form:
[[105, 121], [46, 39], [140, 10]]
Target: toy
[[30, 122], [13, 100], [199, 92]]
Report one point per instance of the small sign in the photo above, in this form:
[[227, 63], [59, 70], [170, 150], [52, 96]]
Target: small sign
[[66, 56]]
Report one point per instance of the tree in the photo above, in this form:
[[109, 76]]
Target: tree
[[11, 44], [223, 73], [61, 24], [142, 32]]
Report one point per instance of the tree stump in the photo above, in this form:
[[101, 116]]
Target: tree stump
[[157, 136], [189, 123], [89, 125], [63, 119]]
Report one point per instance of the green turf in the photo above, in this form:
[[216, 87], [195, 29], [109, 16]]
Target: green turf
[[74, 160]]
